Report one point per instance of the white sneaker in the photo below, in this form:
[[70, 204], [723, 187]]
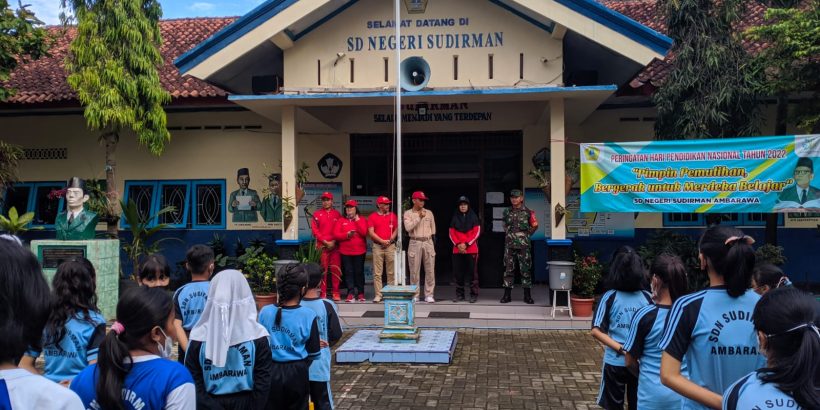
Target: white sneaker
[[415, 299], [429, 299]]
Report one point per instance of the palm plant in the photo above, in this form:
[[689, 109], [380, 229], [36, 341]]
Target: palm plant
[[142, 229]]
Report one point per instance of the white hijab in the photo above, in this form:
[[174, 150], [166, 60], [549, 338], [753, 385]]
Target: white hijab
[[229, 316]]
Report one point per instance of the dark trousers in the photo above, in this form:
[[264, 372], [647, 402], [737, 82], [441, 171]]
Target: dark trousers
[[320, 395], [465, 269], [353, 266], [290, 386], [617, 382]]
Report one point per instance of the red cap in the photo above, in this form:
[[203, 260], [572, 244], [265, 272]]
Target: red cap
[[327, 195], [383, 200], [352, 202], [419, 195]]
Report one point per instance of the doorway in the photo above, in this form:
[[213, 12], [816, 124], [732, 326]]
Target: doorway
[[446, 166]]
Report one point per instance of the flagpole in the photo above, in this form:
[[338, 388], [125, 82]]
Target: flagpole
[[399, 271]]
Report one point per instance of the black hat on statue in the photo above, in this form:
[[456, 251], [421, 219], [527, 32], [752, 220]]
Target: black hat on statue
[[75, 182]]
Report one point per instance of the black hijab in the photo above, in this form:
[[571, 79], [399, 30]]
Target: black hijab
[[463, 222]]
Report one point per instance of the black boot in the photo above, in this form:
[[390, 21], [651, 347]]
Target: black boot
[[507, 298], [528, 297]]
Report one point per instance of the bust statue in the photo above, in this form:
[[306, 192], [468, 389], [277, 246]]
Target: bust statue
[[75, 223]]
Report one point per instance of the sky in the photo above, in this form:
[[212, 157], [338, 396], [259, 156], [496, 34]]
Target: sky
[[49, 10]]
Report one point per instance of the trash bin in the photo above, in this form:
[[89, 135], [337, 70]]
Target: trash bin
[[561, 275]]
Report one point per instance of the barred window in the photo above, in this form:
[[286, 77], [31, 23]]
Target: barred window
[[198, 204]]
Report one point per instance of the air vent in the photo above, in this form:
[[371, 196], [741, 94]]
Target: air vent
[[45, 153]]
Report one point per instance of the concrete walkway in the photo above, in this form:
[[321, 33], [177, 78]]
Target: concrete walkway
[[491, 369]]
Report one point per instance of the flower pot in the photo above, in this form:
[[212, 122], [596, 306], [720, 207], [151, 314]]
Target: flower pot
[[264, 300], [286, 222], [581, 307], [300, 193]]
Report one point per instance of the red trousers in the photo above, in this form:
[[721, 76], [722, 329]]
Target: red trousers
[[331, 263]]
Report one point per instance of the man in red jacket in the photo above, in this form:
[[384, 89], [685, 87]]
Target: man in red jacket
[[465, 228], [324, 220]]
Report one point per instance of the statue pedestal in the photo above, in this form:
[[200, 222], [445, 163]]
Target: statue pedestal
[[104, 254], [399, 315]]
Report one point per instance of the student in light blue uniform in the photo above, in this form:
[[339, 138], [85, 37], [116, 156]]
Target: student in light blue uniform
[[229, 354], [786, 321], [767, 276], [75, 327], [132, 370], [330, 331], [294, 340], [643, 357], [24, 309], [611, 325], [189, 300], [713, 328]]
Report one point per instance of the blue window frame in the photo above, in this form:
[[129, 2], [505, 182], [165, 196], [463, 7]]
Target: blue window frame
[[199, 204], [33, 197], [730, 219]]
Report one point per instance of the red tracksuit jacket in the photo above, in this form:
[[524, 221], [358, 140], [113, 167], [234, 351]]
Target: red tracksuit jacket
[[323, 224], [357, 244], [470, 238]]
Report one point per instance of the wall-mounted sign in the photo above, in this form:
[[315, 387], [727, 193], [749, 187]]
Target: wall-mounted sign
[[423, 112], [758, 174], [330, 166]]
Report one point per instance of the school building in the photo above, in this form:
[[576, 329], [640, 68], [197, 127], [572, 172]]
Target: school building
[[510, 84]]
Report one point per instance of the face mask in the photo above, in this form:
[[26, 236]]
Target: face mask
[[652, 289], [165, 350]]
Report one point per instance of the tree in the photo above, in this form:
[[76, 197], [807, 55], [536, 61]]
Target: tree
[[113, 67], [10, 155], [22, 38], [791, 62], [711, 90]]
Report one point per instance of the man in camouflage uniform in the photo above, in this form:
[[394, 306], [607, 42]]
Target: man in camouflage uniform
[[519, 225]]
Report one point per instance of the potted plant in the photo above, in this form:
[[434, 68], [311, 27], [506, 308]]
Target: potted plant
[[287, 211], [571, 177], [14, 223], [301, 178], [587, 273], [260, 271]]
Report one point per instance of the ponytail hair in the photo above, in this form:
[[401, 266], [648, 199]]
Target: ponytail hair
[[139, 310], [670, 270], [626, 271], [788, 317], [289, 283], [729, 252]]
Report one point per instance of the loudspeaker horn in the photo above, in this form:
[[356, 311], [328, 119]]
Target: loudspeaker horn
[[415, 73]]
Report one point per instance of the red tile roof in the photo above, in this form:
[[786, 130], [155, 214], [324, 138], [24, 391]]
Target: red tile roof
[[44, 81]]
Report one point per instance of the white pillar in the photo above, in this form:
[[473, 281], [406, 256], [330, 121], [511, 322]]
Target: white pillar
[[289, 167], [557, 168]]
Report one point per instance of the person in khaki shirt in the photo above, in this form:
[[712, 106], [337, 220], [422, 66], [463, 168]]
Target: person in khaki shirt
[[421, 226]]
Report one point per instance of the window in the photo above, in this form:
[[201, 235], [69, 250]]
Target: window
[[34, 197], [730, 219], [198, 204]]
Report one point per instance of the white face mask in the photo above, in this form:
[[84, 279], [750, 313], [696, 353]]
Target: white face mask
[[165, 350]]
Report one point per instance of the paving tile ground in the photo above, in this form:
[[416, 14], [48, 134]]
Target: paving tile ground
[[491, 369]]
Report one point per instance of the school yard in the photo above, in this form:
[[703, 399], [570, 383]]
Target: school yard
[[491, 369]]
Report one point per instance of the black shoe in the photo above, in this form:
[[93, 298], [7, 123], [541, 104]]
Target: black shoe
[[507, 298], [473, 298], [528, 297], [458, 298]]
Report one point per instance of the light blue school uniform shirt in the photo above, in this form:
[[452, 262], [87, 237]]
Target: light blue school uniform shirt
[[297, 336], [80, 344], [715, 333], [330, 330], [752, 393], [642, 343], [152, 383], [189, 303], [614, 317]]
